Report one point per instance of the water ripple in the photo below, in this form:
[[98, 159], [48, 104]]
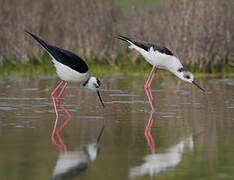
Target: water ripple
[[122, 95], [28, 117], [7, 108], [46, 77], [88, 117], [21, 98], [31, 89], [181, 92], [177, 117], [127, 102]]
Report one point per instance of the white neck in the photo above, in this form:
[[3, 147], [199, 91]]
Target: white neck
[[91, 83]]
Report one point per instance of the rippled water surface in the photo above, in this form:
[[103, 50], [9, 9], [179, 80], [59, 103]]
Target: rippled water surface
[[189, 136]]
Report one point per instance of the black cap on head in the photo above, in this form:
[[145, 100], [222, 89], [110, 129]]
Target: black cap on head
[[99, 82]]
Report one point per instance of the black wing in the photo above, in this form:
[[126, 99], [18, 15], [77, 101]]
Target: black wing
[[147, 46], [63, 56]]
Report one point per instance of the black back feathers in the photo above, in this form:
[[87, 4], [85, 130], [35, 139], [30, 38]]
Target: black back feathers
[[63, 56], [147, 46]]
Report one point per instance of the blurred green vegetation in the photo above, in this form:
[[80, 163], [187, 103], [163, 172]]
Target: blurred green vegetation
[[123, 66]]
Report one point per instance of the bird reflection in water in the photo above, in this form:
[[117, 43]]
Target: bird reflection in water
[[148, 136], [156, 163], [71, 163]]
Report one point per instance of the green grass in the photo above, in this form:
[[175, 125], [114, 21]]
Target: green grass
[[12, 67], [122, 66], [212, 69]]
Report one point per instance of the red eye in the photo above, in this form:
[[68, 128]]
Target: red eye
[[186, 76]]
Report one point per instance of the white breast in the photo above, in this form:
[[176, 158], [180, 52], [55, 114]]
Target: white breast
[[155, 58], [160, 60], [68, 74]]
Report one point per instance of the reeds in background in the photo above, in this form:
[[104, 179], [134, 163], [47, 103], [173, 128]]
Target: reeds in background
[[83, 26], [200, 32]]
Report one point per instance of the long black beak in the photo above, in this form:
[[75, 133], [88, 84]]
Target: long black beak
[[198, 86], [100, 98]]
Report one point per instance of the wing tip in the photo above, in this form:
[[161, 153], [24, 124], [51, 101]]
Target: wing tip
[[31, 34], [26, 31], [123, 38]]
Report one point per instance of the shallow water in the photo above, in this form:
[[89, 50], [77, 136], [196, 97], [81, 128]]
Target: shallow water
[[190, 135]]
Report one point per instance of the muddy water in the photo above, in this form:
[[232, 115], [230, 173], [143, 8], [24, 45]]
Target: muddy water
[[189, 136]]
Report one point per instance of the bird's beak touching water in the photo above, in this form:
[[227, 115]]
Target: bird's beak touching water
[[198, 86], [100, 98]]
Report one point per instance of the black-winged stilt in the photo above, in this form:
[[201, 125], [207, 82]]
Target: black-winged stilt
[[69, 67], [160, 58]]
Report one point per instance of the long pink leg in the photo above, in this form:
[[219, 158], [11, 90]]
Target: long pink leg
[[58, 98], [148, 93], [150, 99], [61, 146], [56, 112], [146, 84], [149, 84], [156, 70]]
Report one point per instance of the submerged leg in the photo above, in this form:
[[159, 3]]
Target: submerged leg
[[147, 87], [150, 99], [149, 84], [56, 112], [58, 98], [146, 84]]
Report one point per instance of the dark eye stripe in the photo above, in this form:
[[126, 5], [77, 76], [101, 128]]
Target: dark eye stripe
[[99, 82]]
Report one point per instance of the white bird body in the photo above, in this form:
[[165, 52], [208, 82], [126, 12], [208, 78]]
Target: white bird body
[[160, 57], [68, 74], [69, 67], [161, 61]]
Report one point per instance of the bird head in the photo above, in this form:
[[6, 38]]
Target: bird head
[[94, 85], [187, 77]]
